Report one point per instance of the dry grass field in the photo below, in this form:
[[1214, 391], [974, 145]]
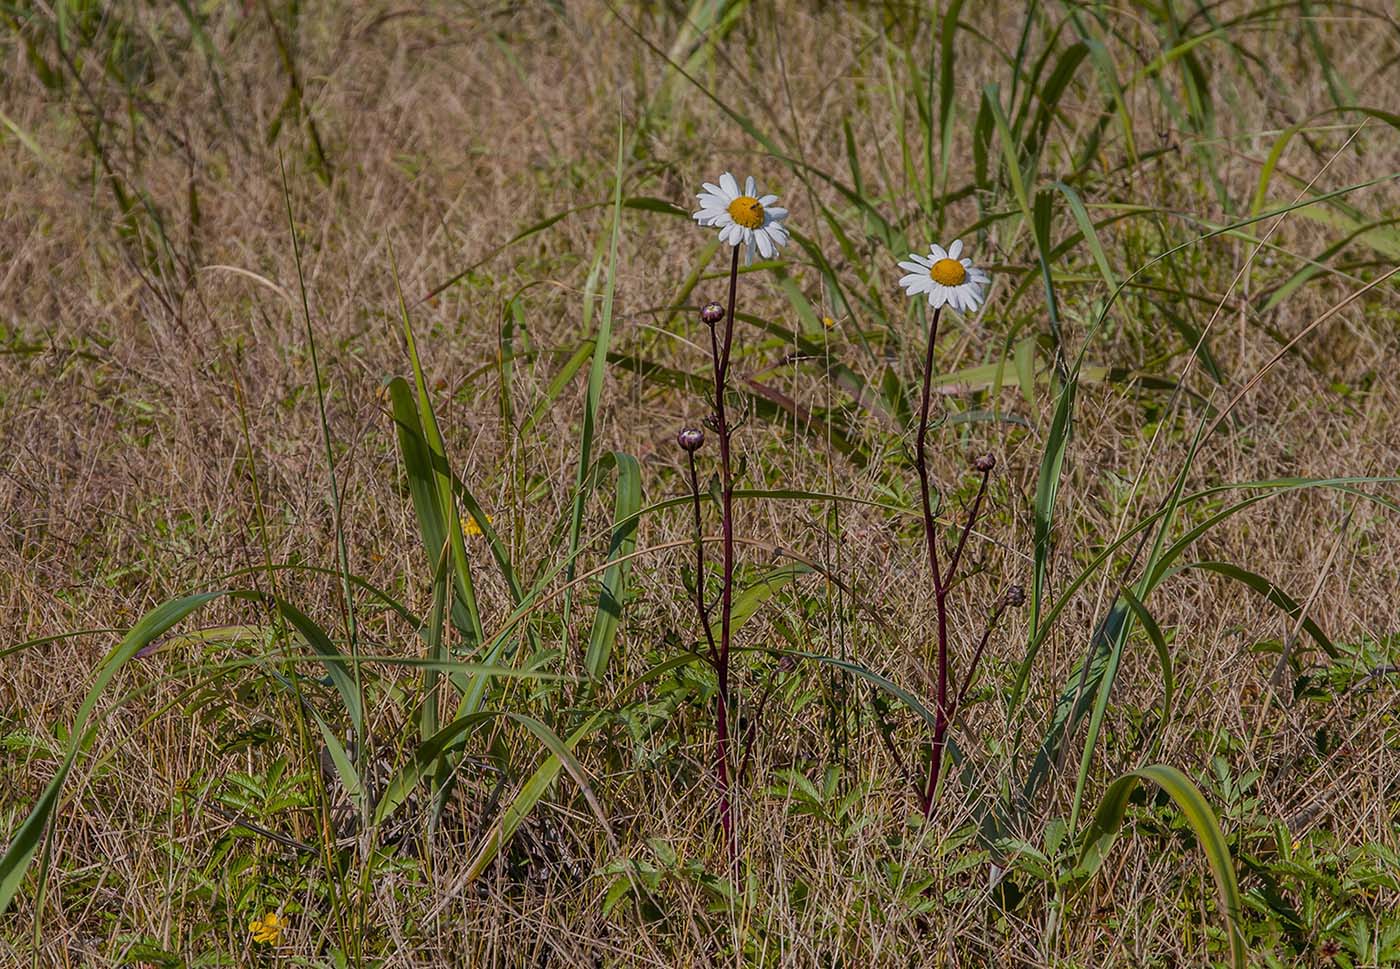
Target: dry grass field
[[402, 739]]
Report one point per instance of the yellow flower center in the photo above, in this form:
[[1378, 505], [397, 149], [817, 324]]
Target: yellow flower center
[[747, 211], [948, 272]]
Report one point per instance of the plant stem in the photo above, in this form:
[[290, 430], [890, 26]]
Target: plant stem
[[967, 530], [940, 589], [720, 353], [701, 609], [976, 659]]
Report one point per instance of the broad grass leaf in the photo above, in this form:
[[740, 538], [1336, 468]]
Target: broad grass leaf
[[1108, 822], [25, 840]]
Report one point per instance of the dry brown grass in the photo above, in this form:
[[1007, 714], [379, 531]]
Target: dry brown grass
[[126, 476]]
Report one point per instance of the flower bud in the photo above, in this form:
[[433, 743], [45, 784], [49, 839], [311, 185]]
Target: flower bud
[[711, 313], [690, 439], [1014, 596], [984, 463]]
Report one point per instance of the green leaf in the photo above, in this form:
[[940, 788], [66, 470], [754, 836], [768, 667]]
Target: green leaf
[[624, 541], [1108, 821], [344, 680], [439, 471], [747, 602], [533, 789], [1275, 595], [1047, 487], [26, 838]]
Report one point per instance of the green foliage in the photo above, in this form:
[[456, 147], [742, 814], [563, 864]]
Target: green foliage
[[546, 672]]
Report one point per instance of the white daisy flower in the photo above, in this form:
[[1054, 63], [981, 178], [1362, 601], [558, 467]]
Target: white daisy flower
[[946, 278], [747, 217]]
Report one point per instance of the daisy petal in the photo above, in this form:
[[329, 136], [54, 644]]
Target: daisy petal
[[955, 250], [765, 244], [730, 186]]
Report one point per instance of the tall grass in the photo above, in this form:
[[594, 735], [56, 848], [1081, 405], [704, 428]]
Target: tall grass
[[496, 588]]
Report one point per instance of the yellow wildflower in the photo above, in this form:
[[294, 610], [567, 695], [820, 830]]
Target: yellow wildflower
[[268, 929], [472, 527]]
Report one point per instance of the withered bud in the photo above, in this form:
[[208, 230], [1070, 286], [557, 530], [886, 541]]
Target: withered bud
[[984, 463], [1014, 596], [711, 313], [690, 439]]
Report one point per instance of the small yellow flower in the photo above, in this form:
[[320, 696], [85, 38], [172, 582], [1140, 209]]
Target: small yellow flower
[[472, 527], [268, 929], [828, 322]]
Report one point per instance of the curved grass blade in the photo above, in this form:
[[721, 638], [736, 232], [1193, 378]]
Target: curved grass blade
[[1275, 595], [560, 757], [446, 524], [1164, 660], [425, 761], [1108, 821], [27, 837], [347, 682], [624, 540], [747, 602]]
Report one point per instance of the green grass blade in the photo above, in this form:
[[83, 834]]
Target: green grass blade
[[1052, 461], [533, 790], [556, 386], [442, 478], [424, 762], [1164, 659], [1108, 821], [1271, 592], [424, 490], [614, 588], [25, 840], [1090, 234], [597, 370], [748, 601], [346, 681]]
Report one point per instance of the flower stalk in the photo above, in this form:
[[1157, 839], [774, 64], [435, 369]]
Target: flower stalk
[[946, 278], [754, 221], [940, 590], [720, 351], [720, 322]]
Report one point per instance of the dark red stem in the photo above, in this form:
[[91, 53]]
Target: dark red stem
[[940, 727], [700, 607], [720, 354], [976, 659], [967, 530]]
